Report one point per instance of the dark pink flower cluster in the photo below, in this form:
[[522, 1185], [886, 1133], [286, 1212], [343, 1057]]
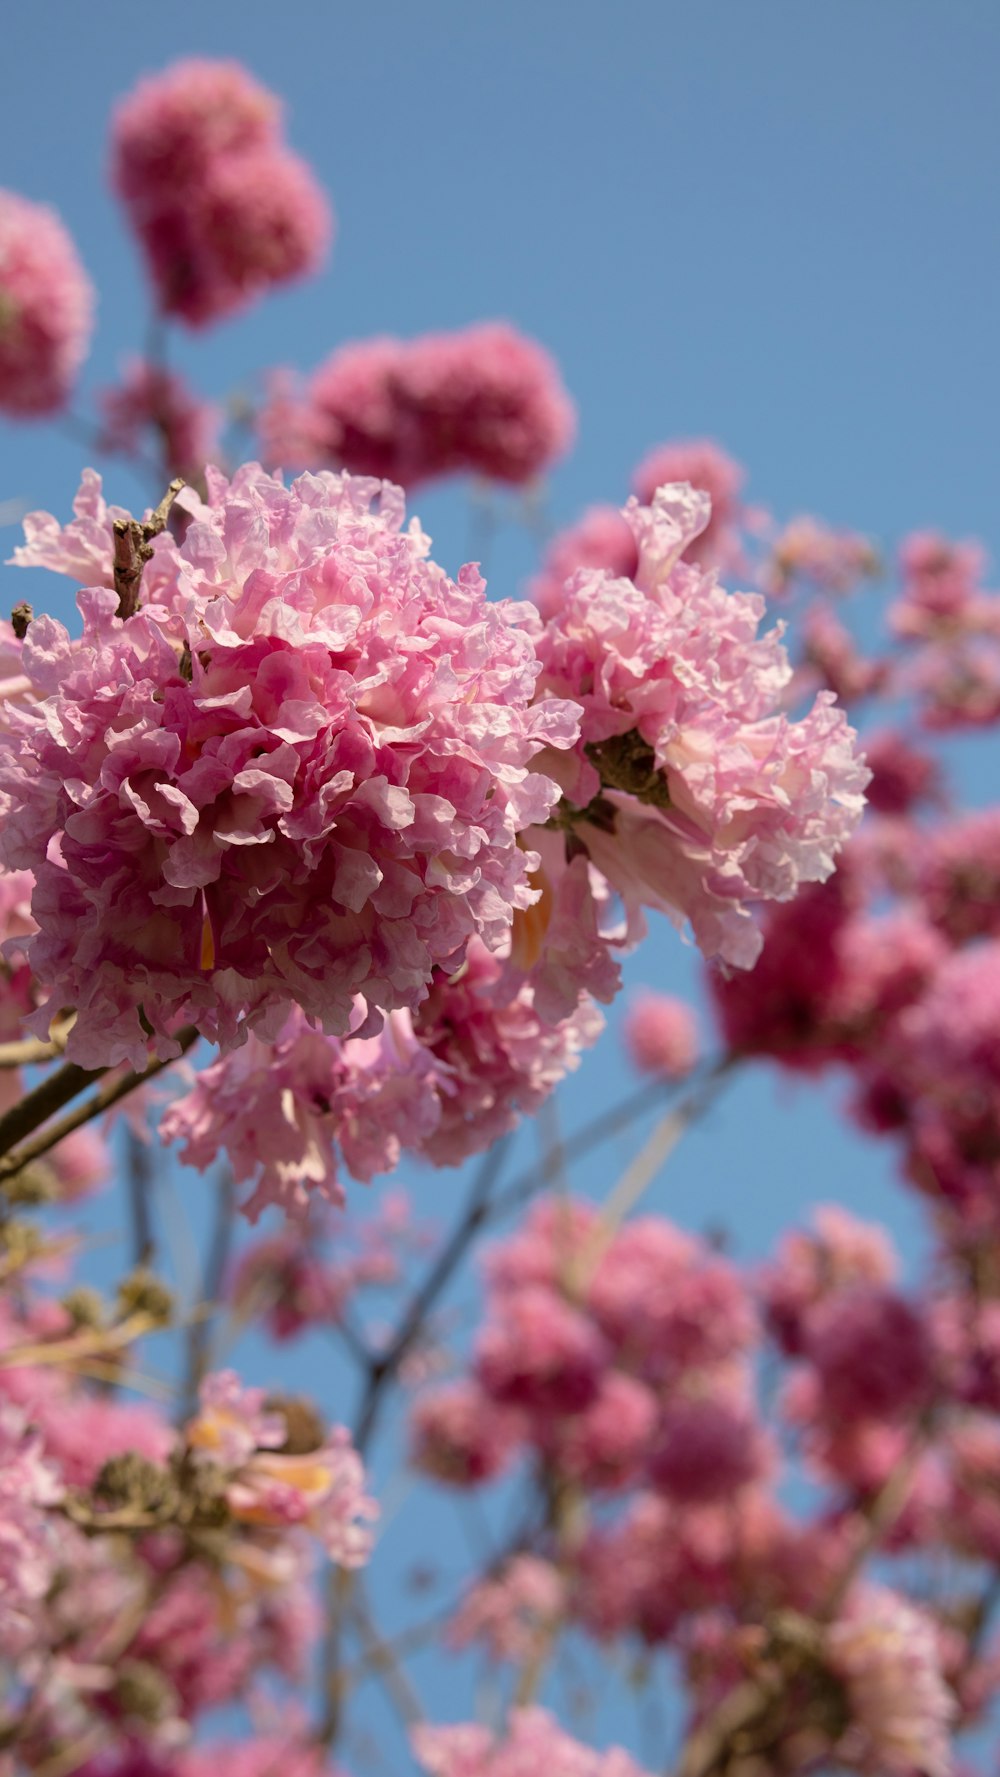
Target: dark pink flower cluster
[[830, 979], [222, 208], [297, 774], [613, 1356], [46, 308], [484, 401], [936, 1082]]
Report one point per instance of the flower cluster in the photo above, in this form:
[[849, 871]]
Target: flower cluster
[[222, 208], [46, 303], [686, 790], [297, 774], [485, 401]]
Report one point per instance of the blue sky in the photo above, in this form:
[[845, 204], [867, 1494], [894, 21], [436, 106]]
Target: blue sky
[[774, 224]]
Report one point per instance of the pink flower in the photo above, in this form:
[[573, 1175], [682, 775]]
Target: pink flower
[[600, 539], [940, 591], [832, 659], [808, 550], [886, 1653], [149, 400], [543, 1355], [958, 876], [29, 1547], [459, 1435], [667, 1304], [936, 1078], [232, 1422], [957, 683], [495, 1059], [604, 1447], [82, 1431], [295, 776], [872, 1354], [707, 1448], [661, 1036], [83, 550], [46, 306], [709, 469], [266, 1755], [485, 400], [903, 775], [443, 1085], [222, 209], [687, 794], [809, 1267], [322, 1490], [511, 1612], [533, 1746], [285, 1283]]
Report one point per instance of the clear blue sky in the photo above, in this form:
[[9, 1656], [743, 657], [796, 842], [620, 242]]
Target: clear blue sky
[[773, 223]]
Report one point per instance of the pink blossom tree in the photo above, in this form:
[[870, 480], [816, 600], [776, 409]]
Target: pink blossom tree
[[316, 860]]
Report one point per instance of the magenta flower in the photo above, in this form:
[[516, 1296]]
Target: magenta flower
[[485, 401], [46, 306], [223, 210]]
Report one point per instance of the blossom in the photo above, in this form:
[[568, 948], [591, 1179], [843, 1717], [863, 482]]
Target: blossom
[[46, 307], [872, 1354], [29, 1484], [688, 794], [810, 1266], [604, 1447], [832, 658], [495, 1058], [149, 399], [599, 539], [660, 1036], [709, 469], [543, 1355], [460, 1436], [903, 774], [707, 1448], [936, 1079], [667, 1304], [940, 586], [510, 1612], [232, 1422], [221, 207], [830, 560], [886, 1653], [296, 775], [266, 1755], [485, 400], [321, 1489], [533, 1746], [958, 876], [444, 1083]]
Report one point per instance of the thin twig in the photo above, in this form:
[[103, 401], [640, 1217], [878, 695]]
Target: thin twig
[[199, 1343], [109, 1094], [36, 1107], [385, 1366]]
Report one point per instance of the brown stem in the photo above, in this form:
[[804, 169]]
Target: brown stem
[[36, 1107], [74, 1080], [134, 546]]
